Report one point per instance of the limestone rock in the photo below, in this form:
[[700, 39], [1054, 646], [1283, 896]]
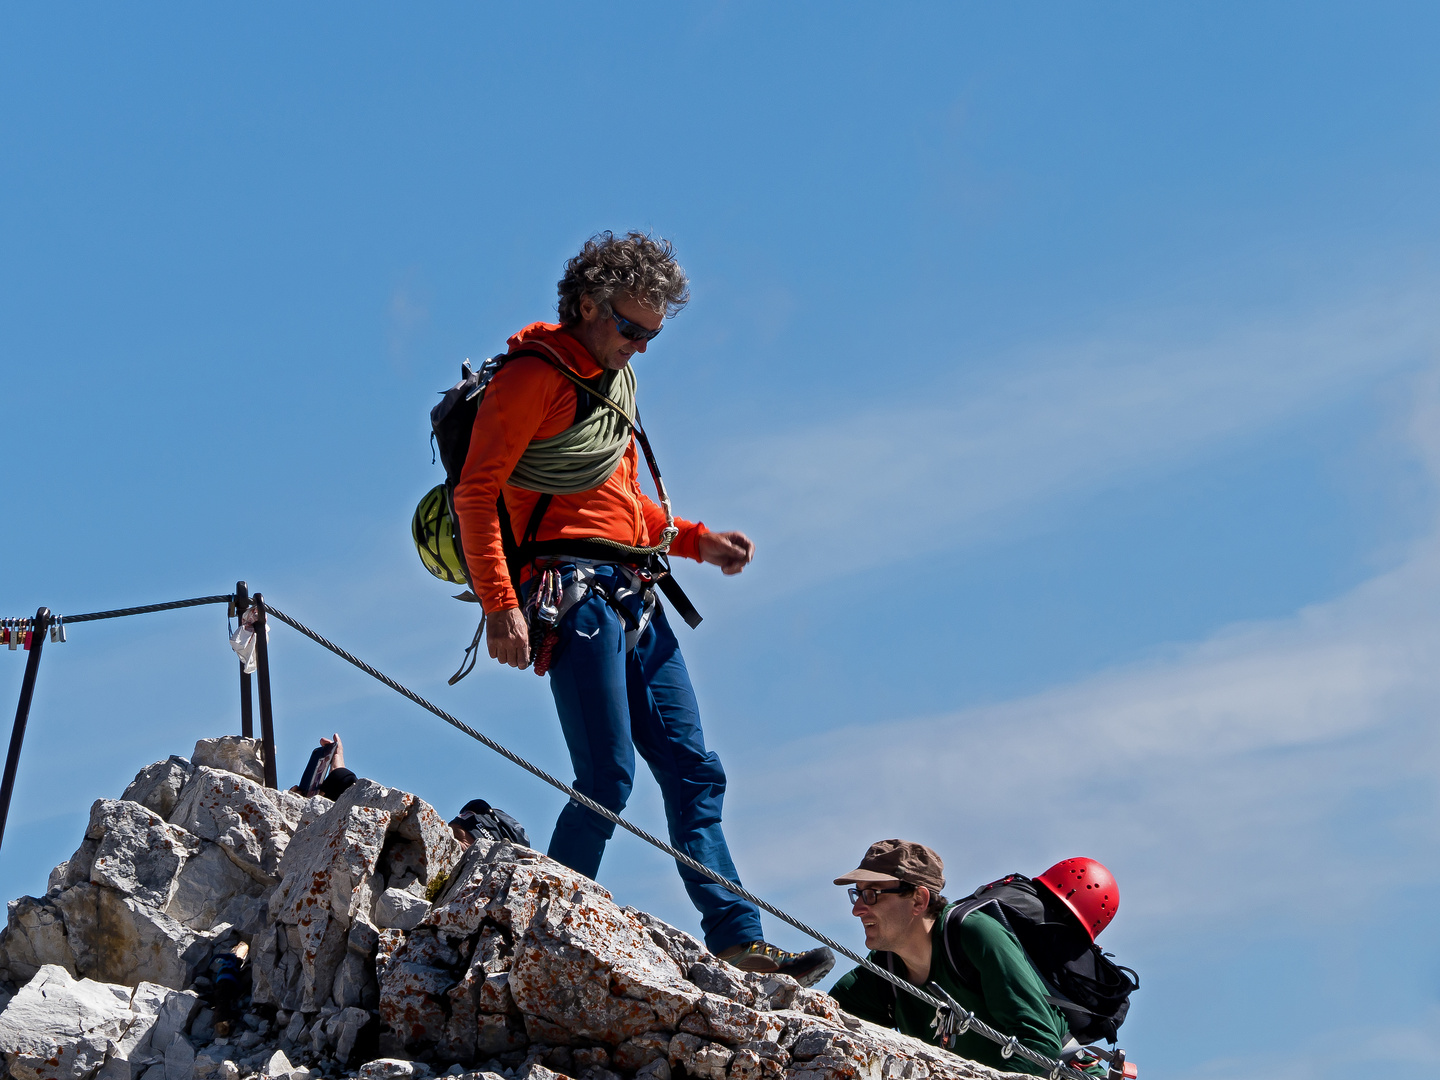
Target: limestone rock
[[59, 1027], [157, 786], [210, 889], [34, 936], [400, 909], [346, 1026], [118, 939], [232, 753], [387, 1069], [637, 1052], [75, 869], [142, 899], [134, 1052], [685, 950], [585, 966], [177, 1009], [520, 963], [252, 823], [731, 1022], [330, 875], [137, 853], [699, 1058], [179, 1059], [720, 978]]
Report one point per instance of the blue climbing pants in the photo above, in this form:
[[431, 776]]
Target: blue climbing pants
[[611, 704]]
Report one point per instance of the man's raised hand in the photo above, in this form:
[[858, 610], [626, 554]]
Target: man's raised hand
[[731, 551]]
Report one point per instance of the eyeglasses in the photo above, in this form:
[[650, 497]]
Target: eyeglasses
[[633, 331], [871, 895]]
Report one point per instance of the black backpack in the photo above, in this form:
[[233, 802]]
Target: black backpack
[[480, 819], [453, 420], [1091, 991]]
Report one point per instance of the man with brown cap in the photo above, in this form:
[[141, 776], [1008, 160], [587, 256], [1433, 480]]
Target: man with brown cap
[[896, 893]]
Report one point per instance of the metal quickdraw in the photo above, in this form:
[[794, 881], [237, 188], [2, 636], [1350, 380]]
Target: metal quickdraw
[[951, 1020]]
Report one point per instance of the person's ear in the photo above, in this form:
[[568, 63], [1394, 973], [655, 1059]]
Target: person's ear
[[921, 899], [588, 307]]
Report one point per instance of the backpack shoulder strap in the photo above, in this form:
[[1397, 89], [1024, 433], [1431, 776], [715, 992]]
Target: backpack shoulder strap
[[954, 916], [891, 994]]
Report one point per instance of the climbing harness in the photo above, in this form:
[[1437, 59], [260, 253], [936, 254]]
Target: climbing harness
[[579, 458]]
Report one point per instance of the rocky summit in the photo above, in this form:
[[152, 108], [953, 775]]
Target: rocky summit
[[377, 947]]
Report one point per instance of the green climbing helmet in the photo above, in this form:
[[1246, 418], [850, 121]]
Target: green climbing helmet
[[436, 537]]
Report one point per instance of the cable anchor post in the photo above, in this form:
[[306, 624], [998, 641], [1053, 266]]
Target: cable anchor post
[[262, 679], [38, 629]]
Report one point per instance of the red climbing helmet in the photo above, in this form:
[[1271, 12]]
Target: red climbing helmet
[[1087, 889]]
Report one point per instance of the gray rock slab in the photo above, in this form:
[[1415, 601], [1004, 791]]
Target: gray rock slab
[[138, 854], [348, 1024], [179, 1059], [157, 786], [118, 939], [58, 1027], [74, 869], [252, 823], [210, 888], [400, 909], [34, 936], [232, 753]]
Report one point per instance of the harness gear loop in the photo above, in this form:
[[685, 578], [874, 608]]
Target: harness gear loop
[[472, 653]]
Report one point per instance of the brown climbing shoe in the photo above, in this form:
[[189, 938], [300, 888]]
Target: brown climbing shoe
[[806, 968]]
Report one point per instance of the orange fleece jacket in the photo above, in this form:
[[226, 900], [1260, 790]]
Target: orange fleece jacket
[[527, 400]]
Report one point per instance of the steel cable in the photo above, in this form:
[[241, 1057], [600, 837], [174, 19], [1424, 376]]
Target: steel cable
[[146, 609], [960, 1019], [966, 1020]]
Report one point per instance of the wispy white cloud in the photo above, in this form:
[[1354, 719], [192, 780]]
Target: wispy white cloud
[[1300, 749], [965, 462]]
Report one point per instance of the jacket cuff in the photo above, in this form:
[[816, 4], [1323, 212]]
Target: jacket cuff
[[687, 544]]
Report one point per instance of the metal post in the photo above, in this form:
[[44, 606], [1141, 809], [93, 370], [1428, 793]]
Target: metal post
[[22, 714], [247, 704], [262, 673]]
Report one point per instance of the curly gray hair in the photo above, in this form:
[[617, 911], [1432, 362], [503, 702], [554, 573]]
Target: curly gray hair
[[635, 266]]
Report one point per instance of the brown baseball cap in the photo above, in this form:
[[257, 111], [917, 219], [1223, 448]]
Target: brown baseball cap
[[891, 862]]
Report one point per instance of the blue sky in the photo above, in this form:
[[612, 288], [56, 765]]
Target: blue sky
[[1074, 369]]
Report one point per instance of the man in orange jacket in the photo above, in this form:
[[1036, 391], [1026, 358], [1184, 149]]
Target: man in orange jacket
[[549, 503]]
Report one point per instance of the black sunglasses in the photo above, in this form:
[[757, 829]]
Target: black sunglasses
[[871, 895], [633, 331]]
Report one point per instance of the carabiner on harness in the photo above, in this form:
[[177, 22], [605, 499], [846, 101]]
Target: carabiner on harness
[[952, 1020]]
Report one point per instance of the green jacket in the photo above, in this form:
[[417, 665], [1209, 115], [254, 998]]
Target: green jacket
[[1013, 1001]]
